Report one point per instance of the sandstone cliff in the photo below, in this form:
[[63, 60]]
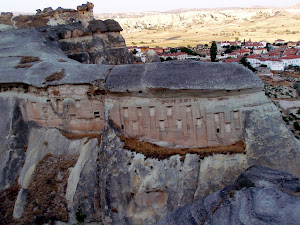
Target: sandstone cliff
[[125, 144]]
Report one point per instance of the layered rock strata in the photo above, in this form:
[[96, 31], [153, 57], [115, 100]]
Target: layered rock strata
[[55, 108]]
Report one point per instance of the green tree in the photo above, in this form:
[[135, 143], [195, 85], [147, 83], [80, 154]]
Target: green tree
[[173, 50], [213, 52], [134, 51], [245, 63]]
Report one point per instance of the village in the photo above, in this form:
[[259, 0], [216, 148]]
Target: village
[[277, 64], [277, 56]]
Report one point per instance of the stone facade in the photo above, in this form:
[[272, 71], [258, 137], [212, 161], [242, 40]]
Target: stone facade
[[186, 122]]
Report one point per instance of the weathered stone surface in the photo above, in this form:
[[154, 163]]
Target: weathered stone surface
[[13, 141], [24, 42], [98, 26], [258, 196], [136, 190], [188, 75], [112, 25]]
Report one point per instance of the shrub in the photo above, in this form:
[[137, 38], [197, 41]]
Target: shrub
[[80, 216], [296, 126]]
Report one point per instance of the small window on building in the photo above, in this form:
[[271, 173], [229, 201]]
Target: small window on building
[[122, 127], [218, 130]]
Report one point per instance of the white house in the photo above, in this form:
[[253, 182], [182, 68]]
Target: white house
[[291, 60], [273, 64]]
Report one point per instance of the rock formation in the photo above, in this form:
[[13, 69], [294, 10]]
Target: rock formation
[[125, 144], [259, 196], [152, 56], [77, 33]]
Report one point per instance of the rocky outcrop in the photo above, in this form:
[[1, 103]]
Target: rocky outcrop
[[77, 130], [48, 16], [77, 33], [259, 196], [98, 43]]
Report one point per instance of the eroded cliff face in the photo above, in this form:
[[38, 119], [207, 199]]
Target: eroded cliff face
[[122, 144], [113, 185]]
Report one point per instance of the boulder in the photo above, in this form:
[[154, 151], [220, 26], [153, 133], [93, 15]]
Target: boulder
[[151, 56], [259, 196]]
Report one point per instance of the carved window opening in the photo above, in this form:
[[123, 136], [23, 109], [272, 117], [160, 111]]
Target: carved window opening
[[97, 114], [125, 112], [152, 111], [228, 128], [188, 108], [199, 122], [216, 118], [135, 125], [139, 111], [162, 125], [122, 127], [58, 105], [236, 115], [169, 110], [218, 130], [179, 124]]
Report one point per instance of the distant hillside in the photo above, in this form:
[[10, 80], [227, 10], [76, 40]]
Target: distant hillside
[[183, 27]]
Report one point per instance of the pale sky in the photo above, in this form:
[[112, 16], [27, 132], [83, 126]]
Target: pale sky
[[110, 6]]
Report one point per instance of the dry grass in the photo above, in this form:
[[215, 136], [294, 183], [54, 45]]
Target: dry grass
[[29, 59], [55, 76], [151, 150], [26, 62], [46, 193], [7, 203], [268, 80], [81, 136], [61, 60], [260, 28], [21, 66]]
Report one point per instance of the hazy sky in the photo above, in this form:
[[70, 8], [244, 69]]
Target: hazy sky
[[108, 6]]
